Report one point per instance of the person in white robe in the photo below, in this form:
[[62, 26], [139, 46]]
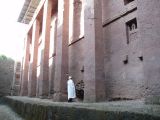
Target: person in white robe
[[71, 90]]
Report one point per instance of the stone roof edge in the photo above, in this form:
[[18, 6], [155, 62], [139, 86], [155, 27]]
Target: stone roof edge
[[24, 10], [28, 11]]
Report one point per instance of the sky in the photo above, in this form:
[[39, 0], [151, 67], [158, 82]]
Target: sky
[[12, 33]]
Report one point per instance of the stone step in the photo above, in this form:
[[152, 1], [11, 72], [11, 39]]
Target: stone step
[[41, 109]]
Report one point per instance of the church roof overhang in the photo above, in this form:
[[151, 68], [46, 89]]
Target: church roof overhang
[[28, 10]]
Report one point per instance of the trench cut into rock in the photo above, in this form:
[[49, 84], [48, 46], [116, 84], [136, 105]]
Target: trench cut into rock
[[38, 109]]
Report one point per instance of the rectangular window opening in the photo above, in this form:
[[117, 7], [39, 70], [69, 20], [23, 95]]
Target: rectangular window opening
[[130, 27]]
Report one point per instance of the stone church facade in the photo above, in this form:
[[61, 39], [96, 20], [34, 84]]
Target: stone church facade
[[111, 46]]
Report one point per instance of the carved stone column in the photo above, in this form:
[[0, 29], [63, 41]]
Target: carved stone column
[[61, 67], [24, 83], [94, 52], [44, 67], [149, 29], [33, 62]]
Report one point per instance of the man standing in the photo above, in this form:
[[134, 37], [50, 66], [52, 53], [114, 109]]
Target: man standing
[[71, 89]]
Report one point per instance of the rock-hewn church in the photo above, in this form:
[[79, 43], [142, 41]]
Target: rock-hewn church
[[111, 48]]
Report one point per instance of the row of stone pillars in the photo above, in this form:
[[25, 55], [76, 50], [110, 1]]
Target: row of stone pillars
[[93, 63], [29, 68]]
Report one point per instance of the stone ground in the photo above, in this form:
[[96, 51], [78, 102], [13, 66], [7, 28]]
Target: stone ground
[[7, 114]]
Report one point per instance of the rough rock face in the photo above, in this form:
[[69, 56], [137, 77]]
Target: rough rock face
[[6, 75], [38, 109]]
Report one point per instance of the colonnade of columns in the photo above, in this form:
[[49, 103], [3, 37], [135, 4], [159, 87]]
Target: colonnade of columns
[[93, 63]]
